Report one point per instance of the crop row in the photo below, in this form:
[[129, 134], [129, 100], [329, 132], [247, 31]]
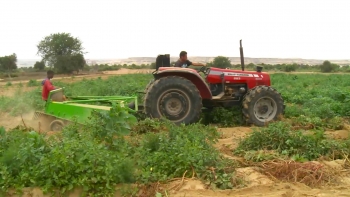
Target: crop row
[[318, 97]]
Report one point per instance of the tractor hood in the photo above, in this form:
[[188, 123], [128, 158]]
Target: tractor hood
[[221, 70], [162, 69]]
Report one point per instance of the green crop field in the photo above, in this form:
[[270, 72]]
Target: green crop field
[[146, 154]]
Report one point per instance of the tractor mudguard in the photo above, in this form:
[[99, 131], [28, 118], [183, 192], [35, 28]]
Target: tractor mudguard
[[189, 74]]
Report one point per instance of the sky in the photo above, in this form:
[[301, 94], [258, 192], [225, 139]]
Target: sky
[[111, 29]]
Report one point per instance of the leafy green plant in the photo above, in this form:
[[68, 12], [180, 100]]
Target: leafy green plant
[[261, 155], [223, 117], [117, 121], [191, 153], [76, 159], [280, 137], [32, 83], [149, 125]]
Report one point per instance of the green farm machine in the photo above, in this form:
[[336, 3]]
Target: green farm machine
[[59, 112], [180, 94]]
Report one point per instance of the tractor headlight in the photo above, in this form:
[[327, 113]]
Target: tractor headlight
[[241, 90]]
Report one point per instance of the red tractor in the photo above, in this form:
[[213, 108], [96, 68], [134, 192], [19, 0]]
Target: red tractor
[[179, 94]]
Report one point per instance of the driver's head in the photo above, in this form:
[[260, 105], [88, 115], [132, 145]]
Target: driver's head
[[183, 56], [50, 74]]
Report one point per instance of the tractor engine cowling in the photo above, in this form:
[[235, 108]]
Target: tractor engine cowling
[[250, 78]]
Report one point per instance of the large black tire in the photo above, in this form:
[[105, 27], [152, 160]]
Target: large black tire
[[174, 98], [150, 83], [262, 105]]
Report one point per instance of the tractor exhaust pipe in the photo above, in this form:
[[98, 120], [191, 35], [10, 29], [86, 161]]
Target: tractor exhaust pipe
[[241, 54]]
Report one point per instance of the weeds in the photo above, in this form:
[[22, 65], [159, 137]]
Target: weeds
[[284, 140]]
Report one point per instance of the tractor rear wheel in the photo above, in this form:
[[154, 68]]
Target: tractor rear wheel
[[261, 105], [174, 98]]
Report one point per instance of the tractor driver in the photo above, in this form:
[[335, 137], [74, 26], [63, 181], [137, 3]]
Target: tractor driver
[[183, 62]]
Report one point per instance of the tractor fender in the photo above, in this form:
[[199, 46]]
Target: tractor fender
[[189, 74]]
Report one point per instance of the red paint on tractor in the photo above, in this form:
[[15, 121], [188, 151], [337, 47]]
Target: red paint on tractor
[[251, 78]]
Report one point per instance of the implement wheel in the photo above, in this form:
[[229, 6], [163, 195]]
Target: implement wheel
[[174, 98], [57, 125], [261, 105]]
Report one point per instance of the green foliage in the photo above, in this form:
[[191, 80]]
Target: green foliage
[[261, 155], [225, 117], [327, 67], [116, 122], [124, 85], [97, 156], [70, 63], [149, 125], [221, 62], [74, 160], [32, 83], [320, 98], [281, 138], [40, 66], [63, 52], [153, 65], [314, 95], [191, 149], [289, 67], [21, 102], [8, 64]]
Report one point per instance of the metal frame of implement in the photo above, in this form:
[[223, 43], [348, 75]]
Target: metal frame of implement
[[79, 108]]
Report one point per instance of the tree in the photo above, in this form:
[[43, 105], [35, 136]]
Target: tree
[[250, 66], [78, 62], [8, 63], [153, 65], [289, 67], [327, 67], [39, 65], [221, 62], [63, 52]]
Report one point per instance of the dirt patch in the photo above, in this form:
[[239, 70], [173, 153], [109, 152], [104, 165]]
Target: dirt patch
[[270, 190], [125, 71], [252, 177], [9, 122], [230, 137], [13, 90], [338, 134]]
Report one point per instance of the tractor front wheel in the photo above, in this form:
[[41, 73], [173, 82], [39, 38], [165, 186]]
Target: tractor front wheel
[[261, 105], [174, 98]]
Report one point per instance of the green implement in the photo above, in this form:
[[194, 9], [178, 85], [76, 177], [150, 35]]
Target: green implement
[[58, 112]]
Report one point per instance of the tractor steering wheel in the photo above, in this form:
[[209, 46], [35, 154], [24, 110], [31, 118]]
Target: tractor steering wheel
[[202, 69]]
